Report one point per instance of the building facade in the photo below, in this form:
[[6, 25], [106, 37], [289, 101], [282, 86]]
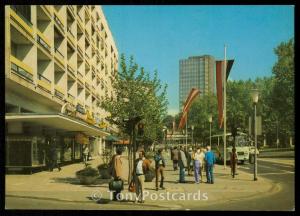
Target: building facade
[[196, 72], [59, 61]]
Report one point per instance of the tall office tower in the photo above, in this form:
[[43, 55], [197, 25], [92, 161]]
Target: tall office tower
[[196, 72], [58, 64]]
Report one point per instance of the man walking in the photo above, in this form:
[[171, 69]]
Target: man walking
[[233, 162], [142, 165], [210, 161], [53, 155], [190, 161], [117, 167], [174, 158], [160, 164], [182, 164]]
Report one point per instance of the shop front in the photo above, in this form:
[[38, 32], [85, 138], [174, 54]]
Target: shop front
[[29, 137]]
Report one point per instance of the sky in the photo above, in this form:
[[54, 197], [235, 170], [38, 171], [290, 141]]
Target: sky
[[159, 36]]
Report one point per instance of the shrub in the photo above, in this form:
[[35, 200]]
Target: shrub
[[88, 171]]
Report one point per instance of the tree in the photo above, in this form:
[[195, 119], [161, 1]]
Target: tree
[[136, 98], [283, 93]]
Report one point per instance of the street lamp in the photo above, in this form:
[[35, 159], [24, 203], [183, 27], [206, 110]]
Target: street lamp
[[210, 121], [277, 140], [254, 94], [192, 127]]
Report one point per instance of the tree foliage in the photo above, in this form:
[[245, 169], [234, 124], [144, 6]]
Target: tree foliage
[[136, 95]]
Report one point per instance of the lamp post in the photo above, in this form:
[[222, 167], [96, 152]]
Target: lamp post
[[277, 140], [254, 94], [192, 127], [210, 121]]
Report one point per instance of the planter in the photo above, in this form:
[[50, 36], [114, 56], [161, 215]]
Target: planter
[[87, 180], [104, 173], [87, 175]]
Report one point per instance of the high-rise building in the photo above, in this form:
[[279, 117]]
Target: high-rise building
[[196, 72], [58, 64]]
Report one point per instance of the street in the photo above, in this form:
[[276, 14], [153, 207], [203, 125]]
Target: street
[[282, 173], [274, 190]]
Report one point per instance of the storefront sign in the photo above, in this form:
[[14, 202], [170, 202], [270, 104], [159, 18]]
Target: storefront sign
[[82, 139]]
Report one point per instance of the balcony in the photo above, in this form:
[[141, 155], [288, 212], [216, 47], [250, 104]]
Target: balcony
[[71, 37], [71, 70], [44, 83], [21, 69], [58, 92], [72, 10], [80, 51], [43, 41], [47, 10], [59, 56], [58, 21], [71, 99], [87, 86], [23, 22]]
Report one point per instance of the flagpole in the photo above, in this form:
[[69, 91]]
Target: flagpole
[[186, 130], [224, 109]]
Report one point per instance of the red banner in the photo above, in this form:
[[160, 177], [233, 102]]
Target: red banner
[[192, 95], [219, 82]]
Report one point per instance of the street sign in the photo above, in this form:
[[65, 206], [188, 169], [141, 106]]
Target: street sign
[[258, 126]]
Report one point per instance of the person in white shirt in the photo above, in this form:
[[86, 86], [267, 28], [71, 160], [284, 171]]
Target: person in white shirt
[[198, 158]]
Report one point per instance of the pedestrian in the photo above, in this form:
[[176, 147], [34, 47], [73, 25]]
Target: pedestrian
[[117, 167], [48, 159], [198, 157], [159, 169], [174, 158], [182, 164], [210, 160], [233, 162], [141, 167], [190, 161], [85, 154], [53, 155], [202, 163]]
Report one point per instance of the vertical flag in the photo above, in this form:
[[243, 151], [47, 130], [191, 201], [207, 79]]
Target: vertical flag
[[219, 82], [192, 95]]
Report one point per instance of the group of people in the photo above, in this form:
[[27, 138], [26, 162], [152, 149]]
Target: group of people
[[199, 160]]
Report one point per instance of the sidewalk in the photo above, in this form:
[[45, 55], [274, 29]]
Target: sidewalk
[[64, 186]]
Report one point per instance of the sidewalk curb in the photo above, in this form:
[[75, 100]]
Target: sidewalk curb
[[89, 201]]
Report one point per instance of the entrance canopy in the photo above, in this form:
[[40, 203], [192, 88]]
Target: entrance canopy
[[58, 121]]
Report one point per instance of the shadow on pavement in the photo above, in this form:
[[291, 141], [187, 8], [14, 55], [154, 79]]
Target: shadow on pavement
[[75, 181]]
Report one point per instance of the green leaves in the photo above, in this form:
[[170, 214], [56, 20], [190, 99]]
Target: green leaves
[[137, 95]]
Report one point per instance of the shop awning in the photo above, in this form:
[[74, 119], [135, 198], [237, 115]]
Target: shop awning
[[112, 138], [122, 142], [58, 121]]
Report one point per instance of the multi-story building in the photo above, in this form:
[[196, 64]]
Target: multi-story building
[[196, 72], [58, 64]]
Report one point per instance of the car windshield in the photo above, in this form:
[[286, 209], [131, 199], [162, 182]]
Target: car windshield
[[241, 141]]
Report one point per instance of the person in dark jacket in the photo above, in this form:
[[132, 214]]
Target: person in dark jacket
[[160, 164], [233, 162], [117, 167], [182, 162], [175, 157], [53, 155], [210, 160]]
